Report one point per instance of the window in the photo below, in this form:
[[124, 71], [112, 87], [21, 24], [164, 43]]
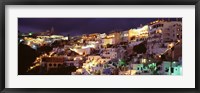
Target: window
[[54, 64], [166, 69], [172, 70], [178, 36]]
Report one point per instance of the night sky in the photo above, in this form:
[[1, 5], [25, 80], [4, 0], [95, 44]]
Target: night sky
[[78, 26]]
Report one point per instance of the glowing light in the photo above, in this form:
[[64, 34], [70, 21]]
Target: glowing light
[[171, 45], [132, 72], [159, 31], [144, 60], [31, 67], [29, 43], [65, 38], [30, 34], [57, 36], [81, 53], [34, 46], [21, 40], [88, 46], [125, 35]]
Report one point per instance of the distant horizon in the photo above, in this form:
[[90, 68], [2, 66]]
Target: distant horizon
[[79, 26]]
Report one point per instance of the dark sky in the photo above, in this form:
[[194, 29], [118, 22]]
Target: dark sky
[[78, 26]]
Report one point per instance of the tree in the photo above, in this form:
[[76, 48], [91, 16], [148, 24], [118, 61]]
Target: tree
[[121, 62], [153, 68], [141, 48]]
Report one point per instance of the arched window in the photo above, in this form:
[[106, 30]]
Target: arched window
[[50, 65], [54, 64]]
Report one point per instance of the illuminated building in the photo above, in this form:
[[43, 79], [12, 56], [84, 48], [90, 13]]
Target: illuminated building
[[172, 31], [166, 31], [109, 53], [55, 37], [109, 40], [43, 37], [103, 35], [95, 64], [33, 42], [171, 68], [52, 62], [176, 53], [139, 33], [91, 37], [92, 44], [57, 61], [124, 36], [161, 34], [112, 38], [82, 51], [115, 36]]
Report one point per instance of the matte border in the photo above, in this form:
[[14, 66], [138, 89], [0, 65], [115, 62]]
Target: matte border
[[3, 3]]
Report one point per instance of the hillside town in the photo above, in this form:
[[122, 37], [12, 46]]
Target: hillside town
[[150, 49]]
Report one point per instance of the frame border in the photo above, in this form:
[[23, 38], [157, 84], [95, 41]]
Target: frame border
[[3, 3]]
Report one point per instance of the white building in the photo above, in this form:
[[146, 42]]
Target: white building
[[161, 34], [82, 50], [137, 67], [124, 36], [102, 35], [106, 41], [171, 68], [110, 53], [138, 34], [52, 62]]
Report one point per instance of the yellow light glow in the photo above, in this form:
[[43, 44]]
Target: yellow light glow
[[171, 45], [79, 70], [144, 60]]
